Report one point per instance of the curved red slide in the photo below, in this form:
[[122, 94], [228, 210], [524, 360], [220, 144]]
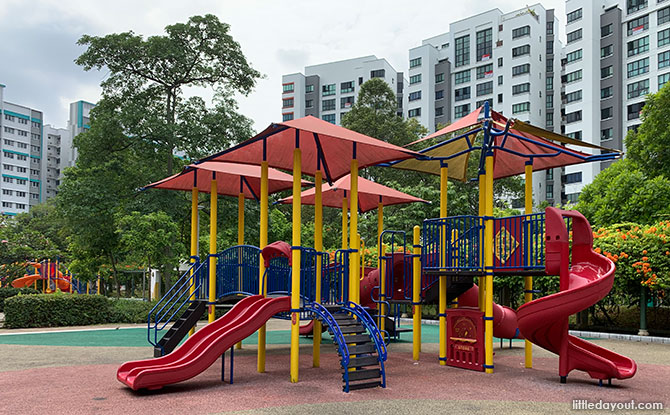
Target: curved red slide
[[504, 318], [202, 349], [589, 279], [306, 330]]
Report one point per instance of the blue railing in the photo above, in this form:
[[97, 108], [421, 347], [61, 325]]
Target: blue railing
[[374, 333], [519, 242], [177, 297], [338, 337], [335, 280], [237, 271]]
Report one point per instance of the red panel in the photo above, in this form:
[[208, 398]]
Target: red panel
[[465, 339], [508, 243]]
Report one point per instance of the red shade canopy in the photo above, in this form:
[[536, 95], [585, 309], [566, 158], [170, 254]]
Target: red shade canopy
[[370, 194], [468, 121], [323, 144], [231, 179]]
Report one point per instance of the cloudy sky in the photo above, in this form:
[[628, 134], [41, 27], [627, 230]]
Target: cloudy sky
[[38, 39]]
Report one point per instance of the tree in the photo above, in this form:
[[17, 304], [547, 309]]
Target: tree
[[648, 146], [148, 77], [623, 193]]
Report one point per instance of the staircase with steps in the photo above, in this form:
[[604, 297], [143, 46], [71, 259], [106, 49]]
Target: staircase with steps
[[360, 344], [180, 328]]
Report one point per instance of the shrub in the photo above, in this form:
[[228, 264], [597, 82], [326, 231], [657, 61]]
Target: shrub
[[130, 311], [58, 309], [7, 292]]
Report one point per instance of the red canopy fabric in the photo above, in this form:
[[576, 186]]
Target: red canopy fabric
[[369, 194], [509, 164], [336, 143], [230, 178], [468, 121]]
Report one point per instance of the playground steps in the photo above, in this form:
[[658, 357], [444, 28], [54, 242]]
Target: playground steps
[[363, 354], [180, 328]]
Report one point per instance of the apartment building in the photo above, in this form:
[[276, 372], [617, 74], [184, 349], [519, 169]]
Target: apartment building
[[617, 52], [328, 91]]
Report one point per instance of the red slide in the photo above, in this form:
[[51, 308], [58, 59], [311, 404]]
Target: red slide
[[589, 279], [202, 349], [504, 318]]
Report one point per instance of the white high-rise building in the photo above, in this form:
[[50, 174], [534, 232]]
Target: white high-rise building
[[329, 90]]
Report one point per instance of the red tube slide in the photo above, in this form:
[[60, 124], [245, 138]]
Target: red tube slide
[[202, 349]]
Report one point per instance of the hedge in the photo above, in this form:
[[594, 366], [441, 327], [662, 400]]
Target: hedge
[[58, 309], [7, 292]]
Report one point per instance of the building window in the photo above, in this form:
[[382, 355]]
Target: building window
[[606, 30], [572, 197], [520, 88], [9, 130], [327, 90], [500, 98], [462, 93], [329, 118], [521, 69], [663, 59], [574, 36], [328, 105], [573, 178], [635, 5], [521, 107], [309, 88], [521, 32], [606, 134], [484, 101], [663, 37], [346, 102], [461, 110], [439, 94], [573, 96], [638, 25], [500, 79], [377, 73], [575, 56], [287, 103], [439, 111], [663, 79], [415, 79], [550, 101], [574, 16], [346, 87], [606, 92], [637, 89], [572, 76], [416, 62], [550, 119], [606, 51], [550, 191], [573, 117], [462, 51], [637, 46], [462, 77], [521, 51], [485, 71], [416, 112], [484, 44], [550, 28], [606, 113], [309, 103], [606, 72], [287, 88], [287, 116], [550, 84], [35, 136], [634, 110], [663, 15], [439, 78], [485, 88], [500, 62], [577, 135], [550, 47], [413, 96], [638, 67]]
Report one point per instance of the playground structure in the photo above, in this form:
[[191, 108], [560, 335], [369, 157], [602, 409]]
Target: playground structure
[[446, 257], [51, 279]]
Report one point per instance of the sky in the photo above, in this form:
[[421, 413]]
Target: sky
[[38, 40]]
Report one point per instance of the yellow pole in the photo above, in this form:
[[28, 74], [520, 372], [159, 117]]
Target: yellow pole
[[263, 241], [240, 236], [213, 207], [528, 283], [416, 294], [482, 210], [382, 289], [88, 287], [295, 269], [48, 275], [67, 273], [98, 285], [380, 223], [488, 262], [194, 240], [318, 246], [442, 303], [361, 244], [345, 223], [354, 283]]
